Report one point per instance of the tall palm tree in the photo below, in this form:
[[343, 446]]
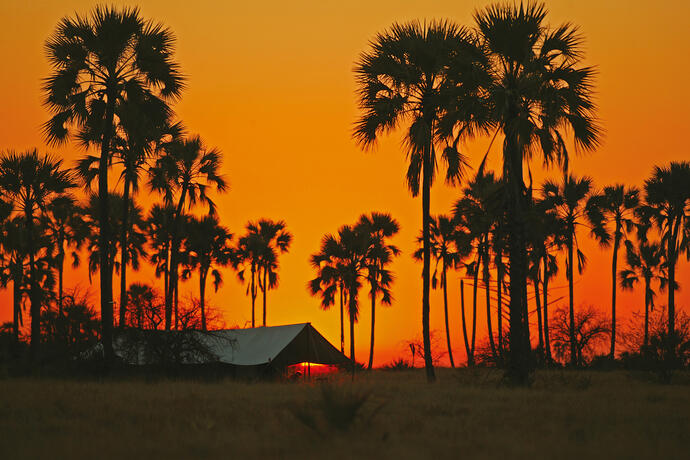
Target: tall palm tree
[[379, 227], [408, 78], [274, 240], [444, 235], [350, 247], [29, 181], [329, 264], [14, 255], [209, 246], [667, 205], [64, 226], [144, 124], [539, 90], [614, 206], [645, 261], [477, 213], [546, 236], [184, 175], [569, 203], [159, 225], [247, 258], [97, 62]]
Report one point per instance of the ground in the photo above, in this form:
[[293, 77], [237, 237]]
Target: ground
[[466, 414]]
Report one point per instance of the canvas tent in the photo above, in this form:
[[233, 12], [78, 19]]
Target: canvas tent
[[249, 351]]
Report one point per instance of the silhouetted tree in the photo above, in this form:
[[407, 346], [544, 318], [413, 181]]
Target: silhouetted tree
[[29, 181], [591, 331], [380, 254], [443, 236], [208, 245], [477, 213], [644, 260], [614, 206], [568, 202], [329, 263], [98, 62], [136, 235], [408, 77], [63, 224], [274, 240], [667, 206], [539, 89], [184, 175]]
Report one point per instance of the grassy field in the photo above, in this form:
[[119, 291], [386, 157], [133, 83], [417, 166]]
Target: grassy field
[[466, 414]]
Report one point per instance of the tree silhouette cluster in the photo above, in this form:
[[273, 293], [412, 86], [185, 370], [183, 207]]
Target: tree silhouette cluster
[[512, 77], [111, 90]]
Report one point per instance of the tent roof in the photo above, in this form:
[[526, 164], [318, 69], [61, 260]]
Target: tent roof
[[276, 345]]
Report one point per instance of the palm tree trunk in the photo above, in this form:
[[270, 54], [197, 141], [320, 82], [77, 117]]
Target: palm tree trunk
[[614, 278], [373, 320], [342, 327], [265, 289], [444, 282], [17, 305], [647, 297], [123, 252], [499, 301], [672, 256], [253, 292], [203, 272], [571, 282], [519, 363], [470, 358], [61, 269], [351, 311], [426, 252], [464, 322], [488, 301], [33, 290], [104, 237], [174, 249], [547, 343], [537, 299]]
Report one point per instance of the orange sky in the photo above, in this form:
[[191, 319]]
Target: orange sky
[[271, 85]]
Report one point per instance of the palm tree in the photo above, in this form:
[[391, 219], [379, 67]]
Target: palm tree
[[615, 205], [136, 235], [568, 203], [98, 62], [445, 252], [546, 232], [64, 226], [183, 175], [247, 257], [208, 245], [29, 181], [477, 213], [158, 225], [329, 264], [667, 205], [351, 249], [274, 240], [644, 261], [379, 227], [539, 90], [144, 124], [13, 266], [410, 75]]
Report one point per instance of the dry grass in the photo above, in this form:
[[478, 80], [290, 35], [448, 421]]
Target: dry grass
[[383, 415]]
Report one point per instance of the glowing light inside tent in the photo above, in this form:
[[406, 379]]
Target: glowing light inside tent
[[310, 369]]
